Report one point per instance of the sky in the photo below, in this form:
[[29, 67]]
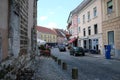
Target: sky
[[55, 13]]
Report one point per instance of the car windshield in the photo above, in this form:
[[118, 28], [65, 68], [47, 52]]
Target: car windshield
[[61, 45], [77, 48]]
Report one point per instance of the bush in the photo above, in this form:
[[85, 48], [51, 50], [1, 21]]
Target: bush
[[42, 47]]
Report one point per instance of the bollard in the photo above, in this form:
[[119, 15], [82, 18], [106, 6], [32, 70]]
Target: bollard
[[74, 73], [64, 66], [59, 61]]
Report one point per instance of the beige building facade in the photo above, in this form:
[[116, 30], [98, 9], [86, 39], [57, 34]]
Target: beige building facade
[[111, 25], [90, 25]]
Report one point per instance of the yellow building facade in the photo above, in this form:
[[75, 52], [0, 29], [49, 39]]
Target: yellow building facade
[[111, 25], [49, 38], [46, 34]]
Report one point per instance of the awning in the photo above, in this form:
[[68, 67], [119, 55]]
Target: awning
[[40, 42], [72, 40]]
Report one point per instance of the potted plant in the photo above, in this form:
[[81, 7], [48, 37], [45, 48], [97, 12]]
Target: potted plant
[[44, 50]]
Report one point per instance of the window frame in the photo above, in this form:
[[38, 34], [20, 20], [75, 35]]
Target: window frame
[[79, 29], [84, 18], [96, 29], [95, 11], [109, 8], [88, 14], [78, 20], [89, 30], [84, 33]]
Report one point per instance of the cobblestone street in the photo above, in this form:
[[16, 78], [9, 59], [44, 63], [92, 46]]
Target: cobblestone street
[[89, 67], [47, 69]]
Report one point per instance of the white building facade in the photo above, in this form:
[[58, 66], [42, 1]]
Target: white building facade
[[90, 25]]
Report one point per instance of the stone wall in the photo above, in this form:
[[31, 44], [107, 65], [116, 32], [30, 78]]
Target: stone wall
[[3, 29], [112, 25], [14, 29]]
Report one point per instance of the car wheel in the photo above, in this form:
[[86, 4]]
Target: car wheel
[[73, 54], [83, 54]]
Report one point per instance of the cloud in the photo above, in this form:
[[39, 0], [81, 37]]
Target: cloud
[[43, 18], [52, 25]]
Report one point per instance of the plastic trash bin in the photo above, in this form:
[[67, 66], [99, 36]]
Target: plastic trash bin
[[107, 51]]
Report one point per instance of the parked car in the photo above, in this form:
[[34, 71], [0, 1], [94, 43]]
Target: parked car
[[92, 51], [62, 47], [86, 50], [77, 51]]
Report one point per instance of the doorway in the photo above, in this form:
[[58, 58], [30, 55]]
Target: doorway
[[111, 42], [111, 38]]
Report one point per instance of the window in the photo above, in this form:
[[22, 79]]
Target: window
[[70, 31], [85, 44], [89, 30], [78, 20], [90, 44], [95, 29], [95, 11], [53, 37], [88, 15], [84, 33], [111, 38], [79, 42], [78, 29], [109, 6], [41, 36], [83, 18]]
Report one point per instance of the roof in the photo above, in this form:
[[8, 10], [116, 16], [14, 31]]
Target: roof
[[45, 30], [60, 32], [81, 6], [78, 8]]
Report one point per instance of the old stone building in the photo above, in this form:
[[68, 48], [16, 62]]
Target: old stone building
[[111, 25], [14, 22], [3, 29], [17, 27], [22, 26]]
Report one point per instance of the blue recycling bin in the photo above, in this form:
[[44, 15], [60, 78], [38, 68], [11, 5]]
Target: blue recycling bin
[[107, 51]]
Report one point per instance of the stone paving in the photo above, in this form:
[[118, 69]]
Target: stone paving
[[91, 67], [47, 69]]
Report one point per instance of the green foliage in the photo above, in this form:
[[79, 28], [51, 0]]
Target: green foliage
[[42, 47]]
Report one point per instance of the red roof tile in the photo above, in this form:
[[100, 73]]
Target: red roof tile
[[45, 30]]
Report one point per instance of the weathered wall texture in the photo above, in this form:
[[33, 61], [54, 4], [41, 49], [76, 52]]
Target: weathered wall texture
[[3, 29], [14, 29]]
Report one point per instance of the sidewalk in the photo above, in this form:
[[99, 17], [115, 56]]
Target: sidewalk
[[47, 69], [95, 55], [101, 56]]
